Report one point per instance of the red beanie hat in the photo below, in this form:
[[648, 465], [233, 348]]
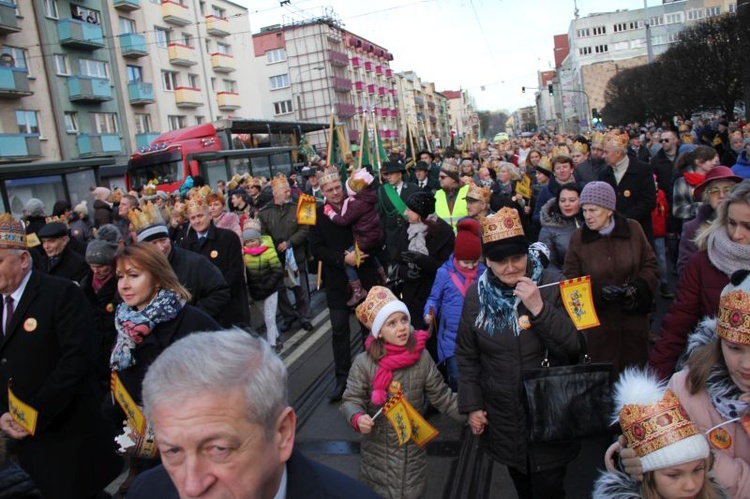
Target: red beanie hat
[[468, 244]]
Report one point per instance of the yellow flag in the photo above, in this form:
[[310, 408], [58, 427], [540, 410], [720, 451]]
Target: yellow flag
[[22, 413], [306, 214], [523, 187], [579, 302], [357, 255], [397, 415], [421, 431], [133, 413], [32, 240]]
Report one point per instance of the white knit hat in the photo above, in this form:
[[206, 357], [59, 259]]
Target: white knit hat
[[655, 423]]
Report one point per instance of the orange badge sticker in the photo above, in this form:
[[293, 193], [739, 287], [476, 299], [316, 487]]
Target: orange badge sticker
[[110, 307], [29, 325], [214, 254], [720, 438], [524, 322], [626, 193]]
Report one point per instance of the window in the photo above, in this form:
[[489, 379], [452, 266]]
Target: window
[[279, 81], [187, 39], [230, 86], [104, 122], [600, 49], [61, 64], [620, 46], [162, 37], [199, 120], [142, 123], [135, 73], [169, 80], [282, 107], [218, 12], [677, 17], [584, 51], [695, 14], [213, 84], [194, 81], [583, 32], [176, 122], [202, 8], [713, 11], [28, 121], [276, 55], [599, 30], [19, 56], [93, 68], [50, 8], [84, 14], [208, 46], [621, 27], [656, 21], [126, 25], [71, 122], [224, 48], [732, 8]]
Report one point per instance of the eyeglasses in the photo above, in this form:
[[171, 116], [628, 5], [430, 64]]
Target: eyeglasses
[[716, 190], [664, 140], [441, 177]]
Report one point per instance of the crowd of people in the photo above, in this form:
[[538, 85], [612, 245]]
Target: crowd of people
[[449, 261]]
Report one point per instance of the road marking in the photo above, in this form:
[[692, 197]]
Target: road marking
[[305, 345]]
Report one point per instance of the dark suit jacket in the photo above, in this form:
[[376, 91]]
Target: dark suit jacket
[[636, 193], [209, 290], [48, 352], [223, 249], [306, 479], [71, 265], [431, 188], [642, 155], [391, 220]]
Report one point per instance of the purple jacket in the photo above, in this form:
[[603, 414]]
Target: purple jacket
[[363, 218]]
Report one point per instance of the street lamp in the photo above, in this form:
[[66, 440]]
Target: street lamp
[[300, 94]]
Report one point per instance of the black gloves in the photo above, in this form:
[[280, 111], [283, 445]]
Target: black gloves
[[626, 296], [612, 293], [410, 256]]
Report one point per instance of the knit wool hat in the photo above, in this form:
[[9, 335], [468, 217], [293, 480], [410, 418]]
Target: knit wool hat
[[421, 203], [380, 304], [100, 252], [34, 207], [468, 245], [81, 208], [599, 193], [654, 422], [109, 233]]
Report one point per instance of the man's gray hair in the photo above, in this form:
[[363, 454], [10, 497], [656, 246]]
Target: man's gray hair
[[220, 362]]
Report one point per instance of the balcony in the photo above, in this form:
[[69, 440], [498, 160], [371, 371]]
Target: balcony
[[419, 101], [175, 13], [127, 5], [14, 146], [228, 101], [217, 26], [371, 89], [368, 66], [80, 35], [182, 55], [378, 69], [338, 59], [8, 20], [145, 139], [14, 83], [140, 93], [394, 113], [384, 113], [342, 85], [98, 144], [133, 45], [431, 105], [359, 86], [89, 89], [388, 73], [345, 110], [356, 62], [381, 91], [222, 63], [188, 97]]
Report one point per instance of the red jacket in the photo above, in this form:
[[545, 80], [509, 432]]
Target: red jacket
[[698, 293], [659, 214]]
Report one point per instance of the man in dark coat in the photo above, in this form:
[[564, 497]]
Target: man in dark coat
[[330, 244], [58, 259], [422, 178], [222, 248], [632, 181], [433, 168], [47, 352], [397, 191], [637, 150]]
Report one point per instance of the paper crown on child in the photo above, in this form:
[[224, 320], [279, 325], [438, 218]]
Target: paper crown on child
[[251, 229], [655, 423], [12, 232], [148, 223], [733, 321], [279, 183], [377, 307], [478, 193]]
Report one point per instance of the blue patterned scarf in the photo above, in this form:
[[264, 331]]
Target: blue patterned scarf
[[497, 303], [133, 325]]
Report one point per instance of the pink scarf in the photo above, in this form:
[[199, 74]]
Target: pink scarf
[[396, 358], [470, 275], [98, 284], [258, 250]]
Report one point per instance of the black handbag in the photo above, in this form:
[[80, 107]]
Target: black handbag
[[568, 402]]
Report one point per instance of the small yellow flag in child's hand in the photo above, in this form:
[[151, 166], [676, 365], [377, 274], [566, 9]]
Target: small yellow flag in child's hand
[[398, 416], [23, 414], [579, 302]]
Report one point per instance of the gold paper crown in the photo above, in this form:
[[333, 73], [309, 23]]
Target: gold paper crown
[[196, 204], [479, 193], [377, 298], [450, 165], [651, 427], [234, 182], [12, 232], [149, 190], [200, 192], [733, 322], [502, 225], [560, 151], [279, 182], [579, 147], [144, 217], [327, 176], [546, 163], [617, 139], [60, 219], [597, 138]]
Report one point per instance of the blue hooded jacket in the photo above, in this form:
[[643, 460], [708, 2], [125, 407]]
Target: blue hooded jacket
[[742, 167]]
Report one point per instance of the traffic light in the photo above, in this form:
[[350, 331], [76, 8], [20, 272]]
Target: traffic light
[[551, 89], [595, 116], [523, 90]]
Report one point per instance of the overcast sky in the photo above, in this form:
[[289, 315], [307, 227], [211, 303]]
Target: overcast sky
[[496, 44]]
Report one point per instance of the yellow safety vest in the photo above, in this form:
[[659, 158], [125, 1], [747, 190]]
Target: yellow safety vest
[[459, 206]]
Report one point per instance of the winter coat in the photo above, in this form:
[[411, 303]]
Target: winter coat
[[209, 290], [642, 154], [81, 229], [687, 246], [360, 213], [624, 255], [732, 465], [229, 221], [447, 302], [390, 470], [489, 375], [391, 220], [548, 192], [619, 485], [589, 170], [742, 167], [636, 193], [280, 222], [102, 213], [419, 276], [663, 168], [684, 207], [103, 306], [264, 272], [556, 231], [698, 292], [70, 265]]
